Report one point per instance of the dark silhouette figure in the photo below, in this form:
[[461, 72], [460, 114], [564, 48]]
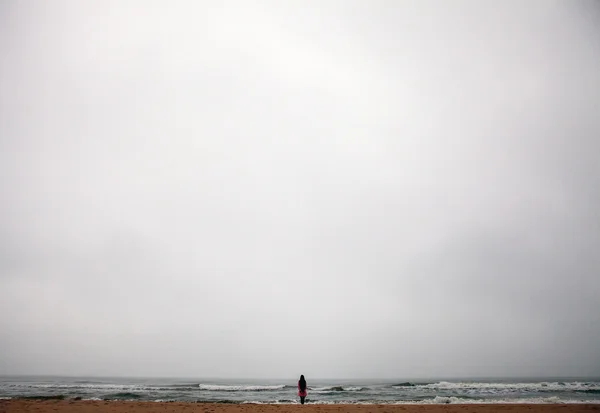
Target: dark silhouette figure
[[302, 389]]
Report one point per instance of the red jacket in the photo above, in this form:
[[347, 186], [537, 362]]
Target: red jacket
[[300, 392]]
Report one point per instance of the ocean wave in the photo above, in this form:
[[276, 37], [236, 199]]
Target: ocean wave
[[504, 387], [332, 389], [94, 386], [122, 396], [591, 391], [354, 388], [532, 400], [220, 387], [435, 400], [103, 387], [45, 397]]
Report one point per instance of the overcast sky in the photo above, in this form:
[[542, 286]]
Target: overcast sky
[[379, 189]]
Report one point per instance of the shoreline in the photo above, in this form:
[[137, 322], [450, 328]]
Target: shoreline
[[516, 402], [119, 406]]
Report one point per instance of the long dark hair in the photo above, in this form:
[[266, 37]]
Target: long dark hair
[[302, 383]]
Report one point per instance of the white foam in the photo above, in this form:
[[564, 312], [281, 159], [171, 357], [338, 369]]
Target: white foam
[[439, 400], [504, 387], [97, 386], [219, 387], [533, 400], [270, 402]]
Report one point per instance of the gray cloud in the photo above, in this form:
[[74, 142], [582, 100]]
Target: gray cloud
[[343, 189]]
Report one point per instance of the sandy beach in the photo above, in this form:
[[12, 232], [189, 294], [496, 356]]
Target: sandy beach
[[71, 406]]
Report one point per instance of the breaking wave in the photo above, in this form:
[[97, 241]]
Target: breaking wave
[[324, 392], [41, 397], [504, 387], [219, 387], [332, 389], [532, 400], [122, 396]]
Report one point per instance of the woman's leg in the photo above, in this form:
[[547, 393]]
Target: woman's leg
[[302, 399]]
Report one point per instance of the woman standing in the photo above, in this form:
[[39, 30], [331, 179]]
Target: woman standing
[[302, 388]]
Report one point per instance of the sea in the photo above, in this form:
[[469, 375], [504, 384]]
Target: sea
[[284, 391]]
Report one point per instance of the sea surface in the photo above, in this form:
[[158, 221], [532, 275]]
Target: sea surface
[[564, 390]]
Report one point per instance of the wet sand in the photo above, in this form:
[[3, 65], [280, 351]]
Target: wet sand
[[73, 406]]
